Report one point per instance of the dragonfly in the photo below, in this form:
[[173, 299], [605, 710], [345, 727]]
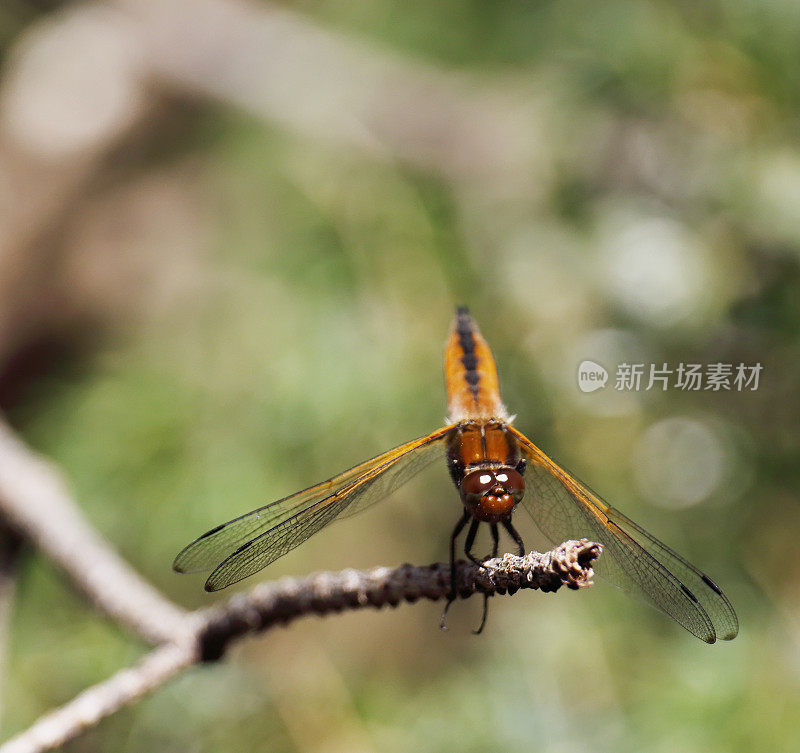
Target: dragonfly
[[496, 469]]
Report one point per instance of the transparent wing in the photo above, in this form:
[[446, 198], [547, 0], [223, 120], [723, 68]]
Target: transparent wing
[[208, 550], [249, 543], [635, 561]]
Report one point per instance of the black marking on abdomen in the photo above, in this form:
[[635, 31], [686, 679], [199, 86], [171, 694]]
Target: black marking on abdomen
[[465, 329]]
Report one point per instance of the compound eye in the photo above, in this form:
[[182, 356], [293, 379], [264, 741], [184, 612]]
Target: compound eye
[[478, 483], [512, 481]]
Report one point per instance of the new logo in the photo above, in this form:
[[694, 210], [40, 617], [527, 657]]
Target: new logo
[[591, 376]]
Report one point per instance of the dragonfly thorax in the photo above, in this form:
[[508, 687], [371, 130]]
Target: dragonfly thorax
[[490, 494]]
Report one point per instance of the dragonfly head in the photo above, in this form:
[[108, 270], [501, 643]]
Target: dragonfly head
[[490, 494]]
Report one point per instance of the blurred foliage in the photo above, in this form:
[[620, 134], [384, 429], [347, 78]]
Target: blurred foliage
[[306, 332]]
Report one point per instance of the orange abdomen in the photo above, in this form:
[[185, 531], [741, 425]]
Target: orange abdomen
[[470, 373]]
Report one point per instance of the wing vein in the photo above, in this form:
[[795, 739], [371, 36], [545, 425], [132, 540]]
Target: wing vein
[[250, 542], [634, 560]]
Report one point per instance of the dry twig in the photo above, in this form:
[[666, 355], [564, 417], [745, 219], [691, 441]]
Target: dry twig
[[35, 503], [207, 633]]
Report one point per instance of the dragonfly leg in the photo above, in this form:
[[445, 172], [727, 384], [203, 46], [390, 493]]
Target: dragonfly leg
[[471, 533], [484, 616], [452, 595], [470, 540], [515, 535], [456, 531], [495, 539]]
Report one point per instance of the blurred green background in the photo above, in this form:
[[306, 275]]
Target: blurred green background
[[224, 303]]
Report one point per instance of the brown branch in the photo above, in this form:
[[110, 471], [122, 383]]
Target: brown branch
[[206, 634], [569, 565], [35, 502], [70, 93], [353, 94]]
